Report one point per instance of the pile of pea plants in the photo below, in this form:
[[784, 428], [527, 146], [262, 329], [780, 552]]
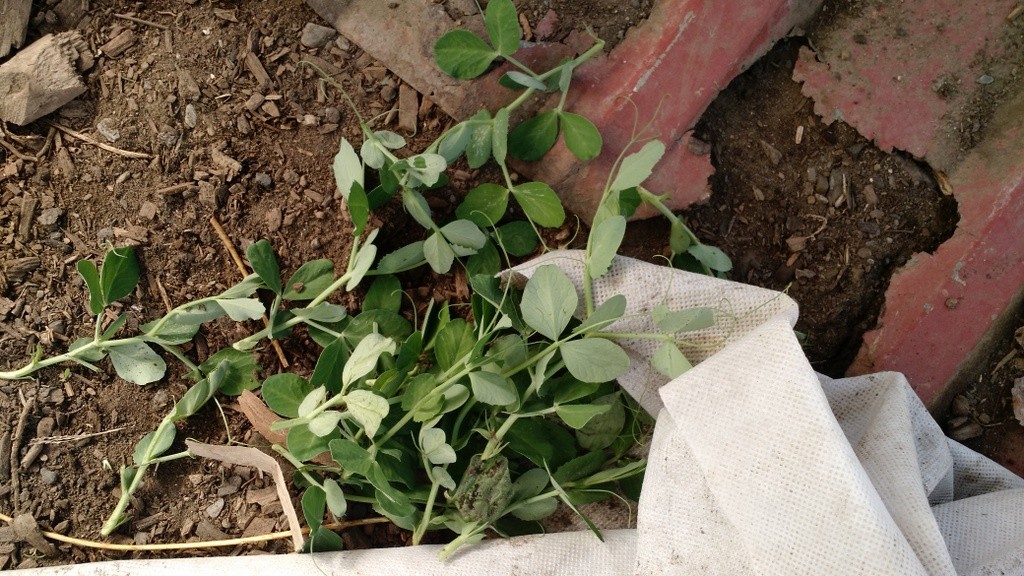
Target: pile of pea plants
[[467, 420]]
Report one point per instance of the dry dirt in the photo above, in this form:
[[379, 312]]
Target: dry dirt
[[770, 192]]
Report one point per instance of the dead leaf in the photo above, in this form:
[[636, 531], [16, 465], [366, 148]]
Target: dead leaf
[[231, 166], [249, 456], [223, 14], [261, 417]]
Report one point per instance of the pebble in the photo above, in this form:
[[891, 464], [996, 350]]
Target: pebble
[[263, 180], [985, 79], [317, 36], [148, 210], [214, 510], [388, 93], [191, 118], [47, 476], [332, 115], [291, 176], [167, 136], [870, 196], [274, 218], [108, 130], [773, 154], [50, 216], [864, 253]]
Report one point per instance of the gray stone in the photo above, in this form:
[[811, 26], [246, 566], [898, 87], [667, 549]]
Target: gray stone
[[191, 118], [317, 36], [264, 180], [108, 129]]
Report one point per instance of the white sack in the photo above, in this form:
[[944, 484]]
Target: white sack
[[758, 466]]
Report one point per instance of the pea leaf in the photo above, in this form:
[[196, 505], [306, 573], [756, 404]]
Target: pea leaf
[[389, 139], [309, 280], [540, 203], [580, 466], [537, 510], [368, 409], [532, 139], [549, 301], [518, 238], [416, 205], [502, 25], [314, 504], [351, 456], [264, 263], [153, 444], [484, 205], [454, 142], [609, 311], [670, 361], [529, 484], [87, 270], [516, 79], [499, 135], [241, 309], [603, 429], [463, 55], [305, 445], [335, 497], [465, 234], [541, 441], [435, 447], [137, 363], [364, 357], [672, 321], [119, 275], [711, 257], [385, 293], [284, 392], [574, 390], [577, 415], [637, 167], [438, 253], [479, 149], [239, 370], [453, 343], [358, 209], [493, 389], [329, 367], [581, 136], [678, 239], [405, 258], [348, 169], [594, 359], [325, 422], [605, 240]]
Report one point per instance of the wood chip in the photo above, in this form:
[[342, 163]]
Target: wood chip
[[14, 24], [42, 77], [27, 215], [230, 166], [408, 107], [255, 67], [118, 44]]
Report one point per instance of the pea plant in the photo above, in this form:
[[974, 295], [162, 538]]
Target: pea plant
[[470, 419]]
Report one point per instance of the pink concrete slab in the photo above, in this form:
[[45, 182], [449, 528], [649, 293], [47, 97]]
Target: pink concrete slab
[[902, 73], [940, 307], [668, 68]]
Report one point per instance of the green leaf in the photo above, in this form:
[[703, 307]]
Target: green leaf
[[518, 238], [577, 415], [392, 502], [416, 205], [670, 361], [453, 343], [687, 320], [629, 201], [261, 257], [363, 261], [335, 497], [114, 326], [368, 409], [462, 54], [442, 477], [247, 287], [605, 240], [574, 390], [305, 445], [314, 504], [348, 169], [532, 139], [238, 373], [372, 154], [364, 358], [454, 142], [594, 359], [380, 321], [137, 363], [484, 205], [549, 301], [385, 293], [537, 510], [200, 393], [87, 270], [541, 441], [284, 392], [499, 136], [358, 209], [508, 351], [603, 429], [153, 444], [406, 257], [565, 497], [352, 457], [324, 312], [464, 233], [389, 139], [241, 309], [493, 389], [616, 474], [119, 275], [502, 25], [435, 447], [711, 257], [609, 311], [93, 355], [325, 422], [581, 136], [530, 483], [540, 203], [636, 167], [312, 400], [438, 253], [516, 79], [424, 169], [580, 466], [479, 149], [323, 540], [678, 239]]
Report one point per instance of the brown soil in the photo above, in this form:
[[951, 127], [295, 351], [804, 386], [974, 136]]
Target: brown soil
[[284, 192]]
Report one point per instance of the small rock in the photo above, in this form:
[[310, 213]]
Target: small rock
[[168, 135], [291, 176], [864, 253], [870, 196], [214, 510], [188, 88], [191, 118], [388, 93], [263, 180], [773, 154], [985, 79], [961, 405], [332, 115], [274, 218], [316, 36], [872, 229], [546, 27], [796, 243], [148, 210], [211, 196], [47, 477], [108, 129], [820, 185], [966, 431], [50, 216]]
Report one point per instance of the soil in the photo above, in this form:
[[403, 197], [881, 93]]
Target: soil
[[828, 218]]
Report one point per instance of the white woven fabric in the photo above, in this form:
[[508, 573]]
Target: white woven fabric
[[758, 466]]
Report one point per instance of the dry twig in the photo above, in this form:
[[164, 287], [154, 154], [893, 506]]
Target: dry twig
[[90, 140]]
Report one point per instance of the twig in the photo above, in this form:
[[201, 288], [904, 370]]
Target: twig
[[72, 437], [90, 140], [141, 21], [17, 154], [163, 295], [175, 188], [26, 407], [230, 247], [196, 545], [46, 145]]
